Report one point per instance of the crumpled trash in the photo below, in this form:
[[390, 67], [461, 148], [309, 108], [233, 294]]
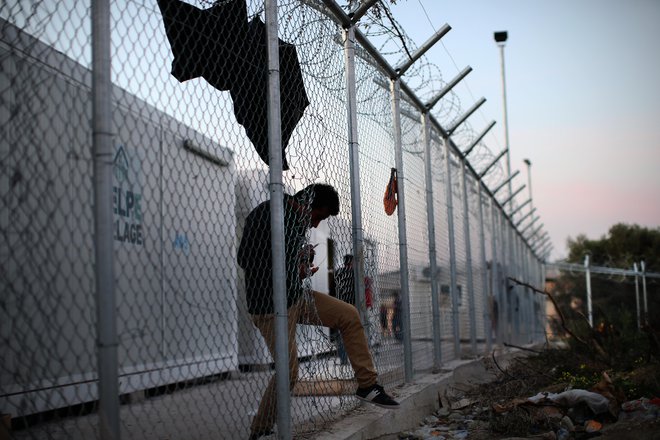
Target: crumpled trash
[[596, 402], [640, 409]]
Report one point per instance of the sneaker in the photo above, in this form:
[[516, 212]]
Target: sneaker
[[376, 394]]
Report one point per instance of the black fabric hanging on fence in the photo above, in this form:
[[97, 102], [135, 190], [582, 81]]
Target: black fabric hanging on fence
[[219, 45], [251, 98], [204, 41]]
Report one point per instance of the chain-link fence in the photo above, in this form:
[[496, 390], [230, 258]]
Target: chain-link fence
[[608, 299], [153, 329]]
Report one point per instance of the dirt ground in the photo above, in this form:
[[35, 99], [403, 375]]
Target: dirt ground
[[632, 430], [500, 409], [629, 430]]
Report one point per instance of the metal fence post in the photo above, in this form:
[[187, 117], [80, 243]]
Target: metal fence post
[[276, 190], [519, 309], [531, 295], [646, 304], [514, 306], [453, 288], [588, 281], [403, 242], [484, 272], [513, 288], [544, 301], [522, 291], [433, 265], [494, 273], [519, 290], [639, 319], [506, 269], [354, 163], [468, 259], [534, 302], [538, 302], [107, 341]]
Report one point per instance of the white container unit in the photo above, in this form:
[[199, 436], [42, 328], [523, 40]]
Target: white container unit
[[174, 239]]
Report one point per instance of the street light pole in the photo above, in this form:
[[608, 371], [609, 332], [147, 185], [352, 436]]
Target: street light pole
[[500, 39]]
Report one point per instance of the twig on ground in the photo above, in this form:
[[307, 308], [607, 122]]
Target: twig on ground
[[500, 368], [506, 344]]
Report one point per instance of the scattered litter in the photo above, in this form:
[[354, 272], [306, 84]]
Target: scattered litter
[[463, 403], [640, 409], [596, 402]]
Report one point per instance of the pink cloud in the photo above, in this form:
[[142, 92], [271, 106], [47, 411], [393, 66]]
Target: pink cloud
[[571, 209]]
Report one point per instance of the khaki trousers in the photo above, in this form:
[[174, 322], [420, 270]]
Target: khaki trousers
[[320, 310]]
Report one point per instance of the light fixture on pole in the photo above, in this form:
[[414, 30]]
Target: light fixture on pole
[[500, 39]]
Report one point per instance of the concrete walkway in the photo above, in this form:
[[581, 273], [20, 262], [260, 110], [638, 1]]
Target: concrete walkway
[[418, 400], [223, 409]]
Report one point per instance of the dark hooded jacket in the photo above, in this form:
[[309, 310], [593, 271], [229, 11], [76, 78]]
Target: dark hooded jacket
[[254, 255]]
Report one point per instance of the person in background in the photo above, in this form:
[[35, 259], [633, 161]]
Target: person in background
[[397, 324], [384, 324]]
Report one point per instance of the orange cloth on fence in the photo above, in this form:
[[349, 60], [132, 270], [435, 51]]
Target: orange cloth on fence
[[390, 198]]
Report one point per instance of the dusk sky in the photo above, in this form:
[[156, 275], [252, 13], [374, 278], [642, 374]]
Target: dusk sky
[[583, 96]]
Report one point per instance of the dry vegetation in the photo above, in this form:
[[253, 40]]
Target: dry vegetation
[[617, 364]]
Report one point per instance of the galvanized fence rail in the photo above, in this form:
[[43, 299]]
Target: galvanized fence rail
[[612, 280]]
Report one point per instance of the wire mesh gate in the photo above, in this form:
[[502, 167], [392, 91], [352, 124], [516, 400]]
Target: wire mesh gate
[[187, 163]]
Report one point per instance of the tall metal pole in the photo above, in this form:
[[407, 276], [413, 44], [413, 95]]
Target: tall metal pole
[[527, 293], [468, 262], [506, 272], [433, 265], [453, 287], [515, 290], [494, 273], [356, 204], [484, 272], [540, 301], [500, 38], [588, 281], [276, 189], [102, 138], [544, 302], [532, 296], [646, 304], [403, 242]]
